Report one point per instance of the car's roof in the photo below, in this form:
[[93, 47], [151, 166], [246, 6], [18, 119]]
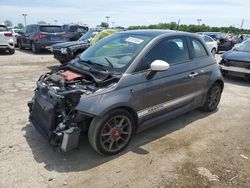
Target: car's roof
[[154, 32], [44, 25], [210, 32]]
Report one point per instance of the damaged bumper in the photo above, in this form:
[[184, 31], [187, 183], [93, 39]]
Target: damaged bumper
[[53, 119]]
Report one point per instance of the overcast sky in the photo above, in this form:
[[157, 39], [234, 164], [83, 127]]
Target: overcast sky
[[128, 12]]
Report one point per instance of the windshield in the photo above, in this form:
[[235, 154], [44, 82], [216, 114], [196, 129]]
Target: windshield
[[17, 30], [51, 29], [89, 35], [244, 46], [116, 51], [3, 28], [82, 29]]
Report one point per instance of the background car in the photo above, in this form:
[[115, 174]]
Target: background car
[[64, 52], [211, 44], [225, 41], [16, 33], [37, 37], [236, 62], [225, 44], [75, 31], [6, 39]]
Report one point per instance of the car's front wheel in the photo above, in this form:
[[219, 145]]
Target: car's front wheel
[[12, 51], [111, 133], [213, 98]]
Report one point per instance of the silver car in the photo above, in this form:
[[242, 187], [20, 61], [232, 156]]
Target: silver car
[[123, 84]]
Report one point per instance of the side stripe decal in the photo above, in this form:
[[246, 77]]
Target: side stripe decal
[[165, 105]]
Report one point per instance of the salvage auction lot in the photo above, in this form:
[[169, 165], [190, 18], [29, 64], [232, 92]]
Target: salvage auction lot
[[194, 150]]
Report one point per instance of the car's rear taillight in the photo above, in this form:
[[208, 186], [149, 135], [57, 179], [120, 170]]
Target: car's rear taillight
[[8, 34], [40, 36]]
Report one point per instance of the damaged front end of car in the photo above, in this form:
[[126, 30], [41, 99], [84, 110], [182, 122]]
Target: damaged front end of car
[[52, 109]]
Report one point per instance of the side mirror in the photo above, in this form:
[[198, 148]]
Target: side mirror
[[157, 66]]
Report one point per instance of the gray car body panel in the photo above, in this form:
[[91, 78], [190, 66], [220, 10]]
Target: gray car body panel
[[170, 91]]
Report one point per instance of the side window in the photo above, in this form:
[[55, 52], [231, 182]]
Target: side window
[[199, 49], [28, 29], [172, 51]]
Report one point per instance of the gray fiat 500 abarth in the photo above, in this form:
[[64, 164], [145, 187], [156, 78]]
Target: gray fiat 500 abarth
[[123, 84]]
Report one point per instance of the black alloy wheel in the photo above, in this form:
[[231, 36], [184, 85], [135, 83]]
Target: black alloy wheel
[[213, 98]]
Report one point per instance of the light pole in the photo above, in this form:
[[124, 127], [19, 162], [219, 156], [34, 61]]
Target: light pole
[[55, 21], [199, 21], [24, 16], [113, 24], [242, 23], [107, 20]]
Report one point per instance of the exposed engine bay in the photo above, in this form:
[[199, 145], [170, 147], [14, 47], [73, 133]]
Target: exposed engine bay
[[52, 109]]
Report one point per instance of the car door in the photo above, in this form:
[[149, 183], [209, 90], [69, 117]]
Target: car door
[[203, 66], [26, 36], [171, 89]]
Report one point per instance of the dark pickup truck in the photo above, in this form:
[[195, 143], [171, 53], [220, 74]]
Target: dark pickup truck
[[64, 52]]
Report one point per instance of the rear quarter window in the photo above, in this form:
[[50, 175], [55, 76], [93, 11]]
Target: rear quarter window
[[198, 48], [207, 39], [51, 29]]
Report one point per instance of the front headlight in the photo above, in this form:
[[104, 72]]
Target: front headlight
[[50, 48], [64, 50]]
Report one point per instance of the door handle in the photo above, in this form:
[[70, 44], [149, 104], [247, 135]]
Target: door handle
[[193, 74]]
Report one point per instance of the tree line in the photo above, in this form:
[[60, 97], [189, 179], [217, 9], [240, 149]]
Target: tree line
[[192, 28]]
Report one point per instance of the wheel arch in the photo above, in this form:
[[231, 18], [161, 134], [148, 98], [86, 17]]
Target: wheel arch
[[220, 82], [124, 107]]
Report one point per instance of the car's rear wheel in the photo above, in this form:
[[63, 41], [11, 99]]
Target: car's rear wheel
[[12, 51], [213, 51], [213, 98], [111, 133], [34, 48]]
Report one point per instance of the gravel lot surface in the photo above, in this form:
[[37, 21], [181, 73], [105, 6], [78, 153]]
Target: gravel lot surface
[[194, 150]]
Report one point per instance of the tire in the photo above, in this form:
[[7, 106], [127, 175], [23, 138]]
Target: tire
[[111, 134], [213, 98], [63, 62], [12, 51], [34, 49], [213, 51], [20, 46]]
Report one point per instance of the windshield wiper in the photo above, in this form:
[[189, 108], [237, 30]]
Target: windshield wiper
[[109, 62], [93, 64]]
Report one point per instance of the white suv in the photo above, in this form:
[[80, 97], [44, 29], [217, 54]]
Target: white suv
[[6, 39]]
